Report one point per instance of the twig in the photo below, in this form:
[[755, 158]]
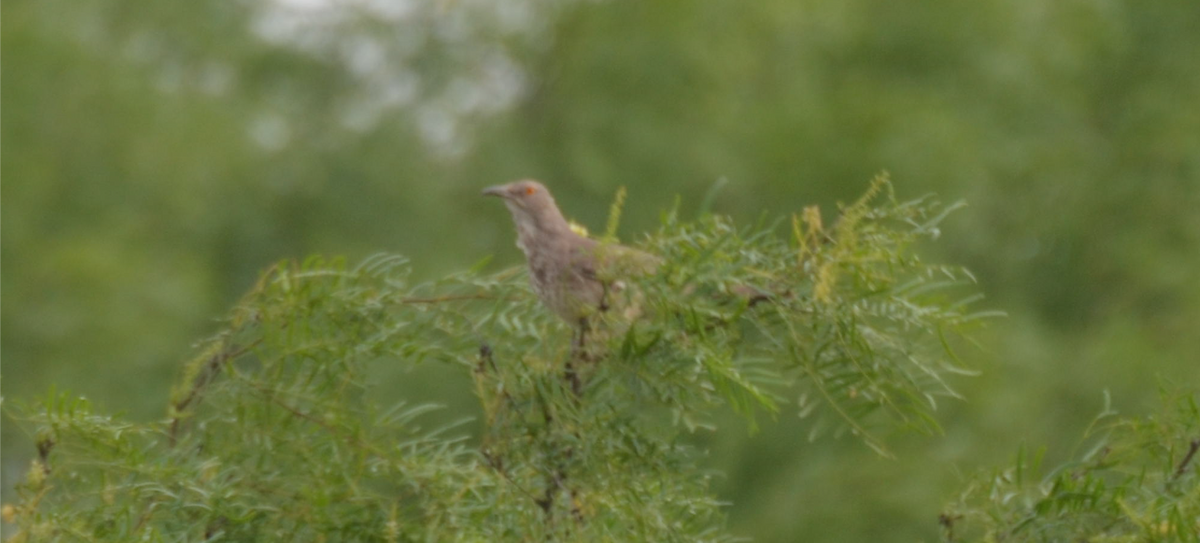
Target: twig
[[1187, 459], [572, 378], [578, 350], [576, 513], [947, 522], [44, 446], [270, 394], [486, 359], [556, 482], [497, 464], [211, 368], [452, 298], [145, 516]]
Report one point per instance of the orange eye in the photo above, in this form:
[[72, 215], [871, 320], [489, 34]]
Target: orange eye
[[530, 190]]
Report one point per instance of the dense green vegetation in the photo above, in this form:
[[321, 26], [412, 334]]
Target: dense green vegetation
[[1136, 481], [158, 156], [276, 430]]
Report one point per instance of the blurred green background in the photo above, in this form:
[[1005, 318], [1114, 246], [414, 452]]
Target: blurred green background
[[157, 155]]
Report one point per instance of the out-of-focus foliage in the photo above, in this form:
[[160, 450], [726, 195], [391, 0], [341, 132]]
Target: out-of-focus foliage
[[157, 155], [1137, 482], [278, 431]]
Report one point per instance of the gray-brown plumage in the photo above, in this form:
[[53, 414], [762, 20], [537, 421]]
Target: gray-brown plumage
[[574, 276]]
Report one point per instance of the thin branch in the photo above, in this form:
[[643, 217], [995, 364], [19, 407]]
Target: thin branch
[[453, 298], [497, 464], [1187, 459], [578, 350], [211, 368], [947, 521], [552, 488], [44, 446], [145, 516], [270, 395]]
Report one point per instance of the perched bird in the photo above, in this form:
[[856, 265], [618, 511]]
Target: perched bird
[[574, 276]]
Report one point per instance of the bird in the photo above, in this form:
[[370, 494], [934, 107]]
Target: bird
[[574, 276]]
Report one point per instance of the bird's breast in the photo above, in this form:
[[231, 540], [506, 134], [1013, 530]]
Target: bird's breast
[[558, 280]]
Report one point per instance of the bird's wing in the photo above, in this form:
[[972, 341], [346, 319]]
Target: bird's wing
[[618, 261], [610, 261]]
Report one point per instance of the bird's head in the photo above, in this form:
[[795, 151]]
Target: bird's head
[[530, 203]]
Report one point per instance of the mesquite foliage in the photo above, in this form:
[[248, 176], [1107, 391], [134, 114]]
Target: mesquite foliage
[[276, 429]]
